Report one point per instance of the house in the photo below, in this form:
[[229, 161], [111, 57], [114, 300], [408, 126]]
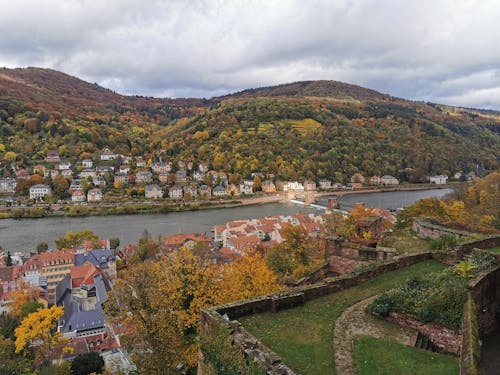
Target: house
[[257, 174], [371, 225], [439, 180], [358, 177], [22, 174], [163, 177], [198, 176], [67, 173], [99, 181], [325, 184], [161, 167], [87, 173], [107, 154], [82, 293], [205, 191], [7, 185], [124, 168], [78, 196], [140, 162], [53, 265], [223, 179], [295, 186], [181, 165], [94, 195], [374, 180], [103, 169], [143, 177], [87, 163], [189, 240], [101, 258], [189, 165], [52, 157], [180, 176], [268, 187], [190, 190], [389, 180], [75, 184], [121, 178], [219, 191], [309, 185], [175, 192], [40, 191], [246, 187], [50, 173], [64, 165], [153, 192]]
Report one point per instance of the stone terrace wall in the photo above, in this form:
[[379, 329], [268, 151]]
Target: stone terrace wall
[[486, 294], [425, 229], [484, 243], [249, 346], [470, 350]]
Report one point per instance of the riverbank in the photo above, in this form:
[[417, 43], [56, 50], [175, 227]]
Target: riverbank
[[144, 208], [139, 208]]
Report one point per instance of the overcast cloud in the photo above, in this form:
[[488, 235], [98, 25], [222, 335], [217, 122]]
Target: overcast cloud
[[437, 50]]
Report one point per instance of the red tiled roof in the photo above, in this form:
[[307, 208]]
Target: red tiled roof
[[180, 239], [83, 275], [51, 258]]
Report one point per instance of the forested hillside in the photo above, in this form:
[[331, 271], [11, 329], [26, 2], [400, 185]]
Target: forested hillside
[[302, 130]]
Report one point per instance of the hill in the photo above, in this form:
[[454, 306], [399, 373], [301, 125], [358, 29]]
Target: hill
[[311, 129]]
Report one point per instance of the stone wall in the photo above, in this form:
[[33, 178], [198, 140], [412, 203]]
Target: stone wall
[[427, 230], [470, 348], [484, 243], [444, 338], [343, 265], [485, 291], [249, 347]]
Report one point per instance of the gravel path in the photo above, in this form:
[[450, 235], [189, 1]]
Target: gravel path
[[356, 321]]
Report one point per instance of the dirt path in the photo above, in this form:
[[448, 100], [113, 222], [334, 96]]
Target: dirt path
[[355, 321]]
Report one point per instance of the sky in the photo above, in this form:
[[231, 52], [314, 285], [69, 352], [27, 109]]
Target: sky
[[445, 51]]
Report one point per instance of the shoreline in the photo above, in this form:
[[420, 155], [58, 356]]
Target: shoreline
[[141, 208]]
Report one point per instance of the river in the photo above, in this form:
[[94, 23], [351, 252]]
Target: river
[[24, 234]]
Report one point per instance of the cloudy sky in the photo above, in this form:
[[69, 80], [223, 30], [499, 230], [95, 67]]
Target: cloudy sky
[[444, 51]]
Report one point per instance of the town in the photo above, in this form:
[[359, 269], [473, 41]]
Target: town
[[113, 179]]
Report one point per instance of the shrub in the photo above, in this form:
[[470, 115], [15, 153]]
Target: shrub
[[383, 305], [444, 243]]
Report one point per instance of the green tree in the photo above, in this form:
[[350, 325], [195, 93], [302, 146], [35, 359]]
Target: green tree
[[87, 363], [42, 247], [114, 242], [9, 259]]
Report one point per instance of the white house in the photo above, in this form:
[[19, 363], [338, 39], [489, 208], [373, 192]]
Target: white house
[[175, 192], [7, 185], [94, 195], [219, 191], [40, 191], [246, 187], [64, 165], [107, 154], [389, 180], [439, 180], [87, 163], [153, 192], [78, 196]]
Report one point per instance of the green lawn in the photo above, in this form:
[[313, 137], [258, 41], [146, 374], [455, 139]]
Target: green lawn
[[494, 249], [303, 336], [380, 357], [406, 241]]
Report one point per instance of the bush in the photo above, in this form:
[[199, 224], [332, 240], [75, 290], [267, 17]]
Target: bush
[[444, 244], [383, 305]]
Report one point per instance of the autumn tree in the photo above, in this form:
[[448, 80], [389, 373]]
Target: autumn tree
[[163, 301], [257, 183], [247, 277], [39, 328], [60, 187], [74, 239], [431, 207]]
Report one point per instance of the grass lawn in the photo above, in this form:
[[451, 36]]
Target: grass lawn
[[303, 336], [406, 241], [380, 357], [494, 249]]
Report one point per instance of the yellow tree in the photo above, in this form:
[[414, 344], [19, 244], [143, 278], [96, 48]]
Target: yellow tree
[[38, 329], [247, 277]]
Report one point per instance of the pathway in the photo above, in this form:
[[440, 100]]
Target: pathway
[[356, 321]]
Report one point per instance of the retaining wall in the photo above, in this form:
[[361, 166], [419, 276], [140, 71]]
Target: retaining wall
[[249, 347]]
